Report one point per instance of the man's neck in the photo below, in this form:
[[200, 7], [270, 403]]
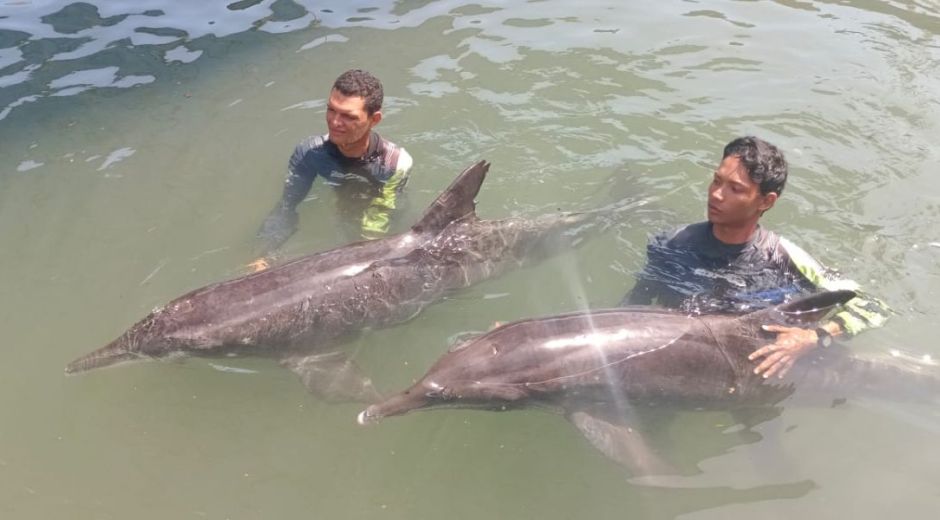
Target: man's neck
[[356, 150], [733, 235]]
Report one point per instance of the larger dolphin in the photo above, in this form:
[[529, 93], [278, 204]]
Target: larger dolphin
[[295, 309], [601, 367]]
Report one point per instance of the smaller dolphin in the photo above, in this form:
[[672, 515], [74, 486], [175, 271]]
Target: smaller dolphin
[[600, 367]]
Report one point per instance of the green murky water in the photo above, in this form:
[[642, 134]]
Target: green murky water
[[142, 143]]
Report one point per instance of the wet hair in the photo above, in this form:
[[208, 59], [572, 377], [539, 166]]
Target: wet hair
[[765, 164], [356, 82]]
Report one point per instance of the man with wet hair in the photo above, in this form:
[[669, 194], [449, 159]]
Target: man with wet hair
[[367, 171], [730, 263]]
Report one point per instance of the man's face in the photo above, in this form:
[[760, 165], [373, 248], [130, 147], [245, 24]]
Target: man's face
[[733, 198], [347, 119]]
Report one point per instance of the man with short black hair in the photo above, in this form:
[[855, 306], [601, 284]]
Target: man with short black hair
[[730, 263], [369, 172]]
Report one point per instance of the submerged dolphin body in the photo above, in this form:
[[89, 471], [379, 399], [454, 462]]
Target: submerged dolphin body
[[601, 368], [295, 309]]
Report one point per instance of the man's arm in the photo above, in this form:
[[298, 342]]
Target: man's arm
[[281, 222], [860, 313], [375, 218], [649, 286]]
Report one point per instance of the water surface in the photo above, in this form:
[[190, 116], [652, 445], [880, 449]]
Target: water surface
[[141, 144]]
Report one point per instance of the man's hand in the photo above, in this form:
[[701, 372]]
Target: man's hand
[[779, 356], [259, 265]]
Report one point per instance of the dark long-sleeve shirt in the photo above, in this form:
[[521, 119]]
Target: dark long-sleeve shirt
[[368, 187], [690, 269]]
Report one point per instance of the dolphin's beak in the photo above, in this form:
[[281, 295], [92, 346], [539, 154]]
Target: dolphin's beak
[[367, 417], [118, 351], [395, 405]]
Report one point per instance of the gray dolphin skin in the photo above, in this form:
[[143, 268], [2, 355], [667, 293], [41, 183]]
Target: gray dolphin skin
[[295, 309], [602, 367]]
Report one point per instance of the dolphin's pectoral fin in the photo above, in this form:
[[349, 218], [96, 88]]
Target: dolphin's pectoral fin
[[622, 444], [750, 416], [333, 377]]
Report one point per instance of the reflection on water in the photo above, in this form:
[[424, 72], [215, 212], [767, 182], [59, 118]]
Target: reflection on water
[[46, 47], [141, 144]]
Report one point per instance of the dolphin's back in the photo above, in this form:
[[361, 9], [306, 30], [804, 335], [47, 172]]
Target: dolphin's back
[[272, 308], [642, 353], [265, 305]]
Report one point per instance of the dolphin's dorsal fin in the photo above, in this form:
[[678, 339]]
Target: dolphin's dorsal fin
[[801, 312], [455, 202]]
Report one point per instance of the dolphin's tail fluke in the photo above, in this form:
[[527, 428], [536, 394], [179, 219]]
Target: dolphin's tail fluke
[[115, 352], [456, 201]]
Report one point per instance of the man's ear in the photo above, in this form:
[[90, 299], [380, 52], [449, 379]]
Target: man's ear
[[375, 117], [768, 201]]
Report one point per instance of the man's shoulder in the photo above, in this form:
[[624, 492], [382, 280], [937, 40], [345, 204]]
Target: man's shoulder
[[683, 236], [395, 159], [404, 160], [391, 148], [770, 240], [313, 143], [796, 254], [312, 156]]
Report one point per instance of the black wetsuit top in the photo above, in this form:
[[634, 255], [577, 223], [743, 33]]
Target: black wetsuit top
[[691, 270], [368, 187]]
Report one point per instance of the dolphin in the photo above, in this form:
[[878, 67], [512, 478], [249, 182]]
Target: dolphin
[[292, 311], [601, 368]]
